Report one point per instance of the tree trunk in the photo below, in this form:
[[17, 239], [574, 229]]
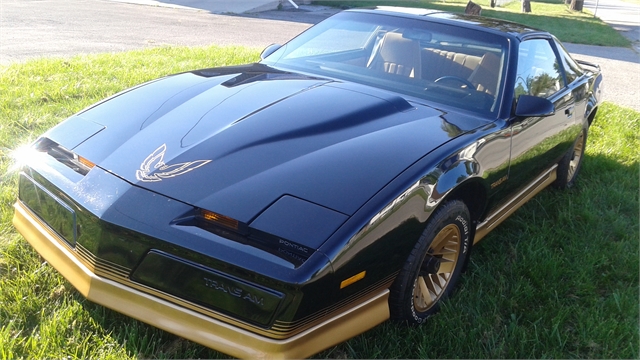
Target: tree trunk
[[526, 6], [576, 5], [493, 3], [473, 8]]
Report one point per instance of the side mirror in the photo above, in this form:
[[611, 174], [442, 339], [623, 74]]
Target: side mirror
[[269, 50], [534, 106]]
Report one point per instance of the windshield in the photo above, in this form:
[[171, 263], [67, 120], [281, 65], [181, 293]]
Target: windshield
[[451, 65]]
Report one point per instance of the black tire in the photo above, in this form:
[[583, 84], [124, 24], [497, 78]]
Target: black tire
[[569, 166], [448, 229]]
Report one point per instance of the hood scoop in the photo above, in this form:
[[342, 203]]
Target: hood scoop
[[234, 104]]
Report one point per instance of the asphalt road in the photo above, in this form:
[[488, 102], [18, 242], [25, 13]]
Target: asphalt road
[[620, 68], [38, 28]]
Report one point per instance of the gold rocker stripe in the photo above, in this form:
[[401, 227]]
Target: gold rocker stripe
[[503, 212], [191, 324], [293, 327]]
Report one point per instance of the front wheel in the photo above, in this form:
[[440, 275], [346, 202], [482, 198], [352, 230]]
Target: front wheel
[[571, 163], [434, 265]]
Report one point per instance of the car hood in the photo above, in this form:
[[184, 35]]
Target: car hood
[[235, 140]]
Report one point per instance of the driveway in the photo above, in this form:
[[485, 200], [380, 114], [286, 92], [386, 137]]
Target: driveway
[[37, 28], [620, 68]]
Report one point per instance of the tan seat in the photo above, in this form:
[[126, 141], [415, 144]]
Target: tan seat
[[485, 76], [437, 63], [397, 55]]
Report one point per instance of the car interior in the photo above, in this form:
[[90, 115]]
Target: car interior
[[399, 55], [446, 69]]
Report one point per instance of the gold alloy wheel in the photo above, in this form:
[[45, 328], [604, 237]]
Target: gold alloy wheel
[[575, 158], [437, 268]]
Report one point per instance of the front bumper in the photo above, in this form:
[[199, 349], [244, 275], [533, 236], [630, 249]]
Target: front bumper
[[185, 322]]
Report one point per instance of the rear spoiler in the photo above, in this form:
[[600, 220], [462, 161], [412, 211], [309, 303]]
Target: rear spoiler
[[588, 64]]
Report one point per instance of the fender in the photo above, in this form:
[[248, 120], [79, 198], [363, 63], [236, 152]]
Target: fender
[[595, 98], [596, 89], [381, 242]]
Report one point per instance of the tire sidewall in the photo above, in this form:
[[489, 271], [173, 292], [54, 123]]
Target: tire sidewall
[[456, 213], [571, 182], [562, 180]]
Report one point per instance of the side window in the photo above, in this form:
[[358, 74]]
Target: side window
[[571, 68], [538, 69]]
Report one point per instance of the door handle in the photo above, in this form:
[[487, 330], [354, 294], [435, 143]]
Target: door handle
[[569, 112]]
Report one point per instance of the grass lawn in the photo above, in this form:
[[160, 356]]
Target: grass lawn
[[550, 15], [559, 279]]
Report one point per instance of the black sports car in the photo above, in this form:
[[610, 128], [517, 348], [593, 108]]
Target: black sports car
[[282, 207]]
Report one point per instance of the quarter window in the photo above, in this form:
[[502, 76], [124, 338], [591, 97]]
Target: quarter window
[[571, 68], [538, 69]]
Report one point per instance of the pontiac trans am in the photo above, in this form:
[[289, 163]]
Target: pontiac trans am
[[279, 208]]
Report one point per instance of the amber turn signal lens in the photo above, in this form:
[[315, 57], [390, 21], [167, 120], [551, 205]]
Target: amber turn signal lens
[[219, 219], [86, 162], [357, 277]]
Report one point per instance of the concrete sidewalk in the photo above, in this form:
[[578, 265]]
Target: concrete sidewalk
[[620, 66], [620, 15]]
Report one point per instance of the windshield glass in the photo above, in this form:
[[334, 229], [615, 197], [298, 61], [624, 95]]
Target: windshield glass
[[451, 65]]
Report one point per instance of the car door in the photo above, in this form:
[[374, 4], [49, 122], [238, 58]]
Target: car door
[[539, 142], [577, 82]]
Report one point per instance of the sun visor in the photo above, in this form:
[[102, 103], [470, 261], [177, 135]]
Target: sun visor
[[300, 221]]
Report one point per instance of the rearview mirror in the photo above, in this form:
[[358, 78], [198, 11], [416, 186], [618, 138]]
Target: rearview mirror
[[534, 106], [269, 50]]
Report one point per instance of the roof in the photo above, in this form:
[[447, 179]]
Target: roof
[[470, 20]]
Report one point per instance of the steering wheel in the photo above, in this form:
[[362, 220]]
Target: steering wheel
[[463, 81]]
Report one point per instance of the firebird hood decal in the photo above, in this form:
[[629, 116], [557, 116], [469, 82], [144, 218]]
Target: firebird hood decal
[[156, 161]]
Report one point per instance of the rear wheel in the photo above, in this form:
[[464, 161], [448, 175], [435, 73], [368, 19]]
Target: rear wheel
[[569, 166], [434, 265]]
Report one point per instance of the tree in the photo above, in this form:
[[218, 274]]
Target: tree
[[473, 9], [526, 6], [576, 5]]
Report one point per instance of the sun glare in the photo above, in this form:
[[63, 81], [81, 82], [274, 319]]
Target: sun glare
[[20, 156]]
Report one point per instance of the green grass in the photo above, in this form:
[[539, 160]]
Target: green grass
[[550, 15], [559, 279]]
